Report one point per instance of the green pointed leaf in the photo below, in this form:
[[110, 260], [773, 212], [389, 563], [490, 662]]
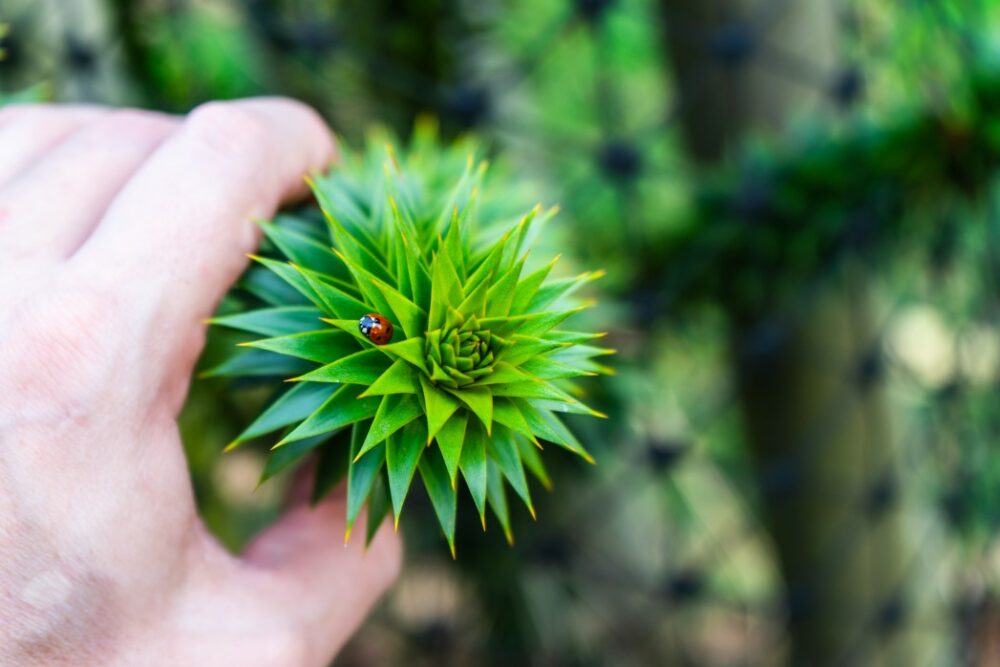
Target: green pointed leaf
[[507, 413], [339, 205], [450, 439], [341, 409], [574, 337], [473, 467], [530, 325], [568, 354], [503, 373], [441, 493], [361, 475], [334, 299], [539, 389], [410, 317], [395, 412], [320, 346], [480, 402], [503, 451], [402, 453], [291, 407], [362, 367], [400, 378], [547, 426], [420, 278], [439, 406], [371, 294], [284, 458], [528, 287], [460, 195], [453, 244], [399, 259], [272, 321], [582, 357], [290, 275], [497, 498], [356, 255], [558, 289], [331, 466], [544, 368], [446, 290], [258, 363], [351, 327], [501, 294], [410, 350], [378, 508], [524, 348], [475, 302], [488, 267], [533, 462], [272, 289], [524, 227], [303, 223], [573, 407], [303, 250]]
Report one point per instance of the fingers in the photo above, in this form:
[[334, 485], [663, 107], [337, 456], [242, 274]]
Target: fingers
[[27, 131], [178, 233], [327, 586], [55, 203]]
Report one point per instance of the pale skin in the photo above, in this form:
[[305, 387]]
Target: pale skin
[[120, 230]]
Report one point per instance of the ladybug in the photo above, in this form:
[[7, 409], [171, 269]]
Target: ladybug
[[375, 328]]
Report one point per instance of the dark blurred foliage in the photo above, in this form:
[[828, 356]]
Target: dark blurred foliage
[[796, 208]]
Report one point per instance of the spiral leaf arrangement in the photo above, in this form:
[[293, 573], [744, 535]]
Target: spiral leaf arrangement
[[481, 361]]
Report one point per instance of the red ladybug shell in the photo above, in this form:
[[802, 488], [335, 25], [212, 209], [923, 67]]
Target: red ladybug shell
[[375, 328]]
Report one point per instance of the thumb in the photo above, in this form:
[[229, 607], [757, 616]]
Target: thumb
[[310, 576]]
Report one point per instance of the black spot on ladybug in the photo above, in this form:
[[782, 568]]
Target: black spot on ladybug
[[375, 328]]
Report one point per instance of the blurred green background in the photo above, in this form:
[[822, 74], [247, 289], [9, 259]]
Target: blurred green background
[[795, 204]]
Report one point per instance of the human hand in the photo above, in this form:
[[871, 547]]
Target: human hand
[[119, 233]]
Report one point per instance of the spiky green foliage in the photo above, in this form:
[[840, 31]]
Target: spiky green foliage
[[481, 361]]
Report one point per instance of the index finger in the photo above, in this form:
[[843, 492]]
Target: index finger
[[177, 235]]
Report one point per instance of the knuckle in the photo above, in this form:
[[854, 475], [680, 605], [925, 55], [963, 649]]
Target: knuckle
[[322, 142], [227, 128]]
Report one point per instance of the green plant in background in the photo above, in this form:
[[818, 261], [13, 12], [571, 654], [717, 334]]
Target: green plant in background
[[481, 362], [34, 93]]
